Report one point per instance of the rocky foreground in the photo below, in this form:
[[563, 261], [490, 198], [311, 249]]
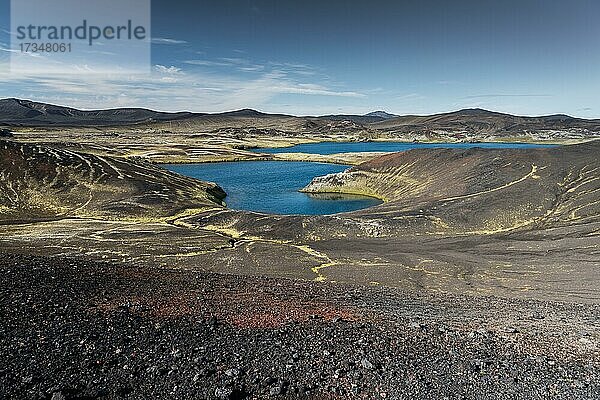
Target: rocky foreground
[[79, 329]]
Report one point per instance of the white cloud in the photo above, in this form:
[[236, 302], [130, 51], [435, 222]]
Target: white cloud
[[245, 65], [6, 49], [172, 70], [294, 68], [159, 40], [238, 64], [168, 88], [484, 96], [207, 63], [312, 89]]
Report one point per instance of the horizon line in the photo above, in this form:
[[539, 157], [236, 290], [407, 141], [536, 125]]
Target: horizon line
[[395, 115]]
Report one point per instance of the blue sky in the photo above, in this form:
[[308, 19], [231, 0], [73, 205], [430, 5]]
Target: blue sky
[[319, 57]]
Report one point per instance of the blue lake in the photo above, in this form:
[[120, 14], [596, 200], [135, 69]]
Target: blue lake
[[272, 186], [354, 147]]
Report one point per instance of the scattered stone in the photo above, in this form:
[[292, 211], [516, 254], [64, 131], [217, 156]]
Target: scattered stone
[[510, 329], [373, 358], [268, 381], [58, 396], [366, 364], [5, 133], [276, 390], [224, 393]]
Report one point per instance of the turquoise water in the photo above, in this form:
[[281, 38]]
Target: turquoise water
[[272, 186], [354, 147]]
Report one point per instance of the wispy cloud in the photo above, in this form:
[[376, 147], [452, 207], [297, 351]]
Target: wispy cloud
[[236, 63], [169, 88], [313, 89], [207, 63], [447, 82], [485, 96], [251, 68], [232, 60], [245, 65], [168, 70], [4, 48], [160, 40], [295, 68], [409, 96]]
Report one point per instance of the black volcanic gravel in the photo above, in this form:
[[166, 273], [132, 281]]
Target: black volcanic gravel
[[79, 329]]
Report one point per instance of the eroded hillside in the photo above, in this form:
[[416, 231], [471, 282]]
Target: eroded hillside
[[38, 182], [477, 190]]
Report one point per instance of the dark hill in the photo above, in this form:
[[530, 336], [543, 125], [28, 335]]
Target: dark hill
[[29, 113], [40, 182], [487, 122], [476, 123]]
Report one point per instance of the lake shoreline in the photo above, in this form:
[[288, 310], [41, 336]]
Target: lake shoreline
[[275, 187], [322, 153], [348, 158]]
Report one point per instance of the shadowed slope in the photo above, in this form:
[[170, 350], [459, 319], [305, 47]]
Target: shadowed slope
[[477, 190], [478, 121], [29, 113], [44, 182]]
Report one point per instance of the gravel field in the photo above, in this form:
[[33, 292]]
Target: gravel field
[[81, 329]]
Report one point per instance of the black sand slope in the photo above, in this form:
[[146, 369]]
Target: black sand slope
[[44, 182], [81, 330]]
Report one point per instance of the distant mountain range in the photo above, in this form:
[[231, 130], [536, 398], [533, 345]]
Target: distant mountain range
[[25, 113], [30, 113], [381, 114]]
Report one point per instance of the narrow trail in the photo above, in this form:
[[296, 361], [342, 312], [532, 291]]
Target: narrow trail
[[239, 239], [531, 174]]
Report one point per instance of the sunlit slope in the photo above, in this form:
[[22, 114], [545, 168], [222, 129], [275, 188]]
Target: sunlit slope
[[477, 190], [45, 182]]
